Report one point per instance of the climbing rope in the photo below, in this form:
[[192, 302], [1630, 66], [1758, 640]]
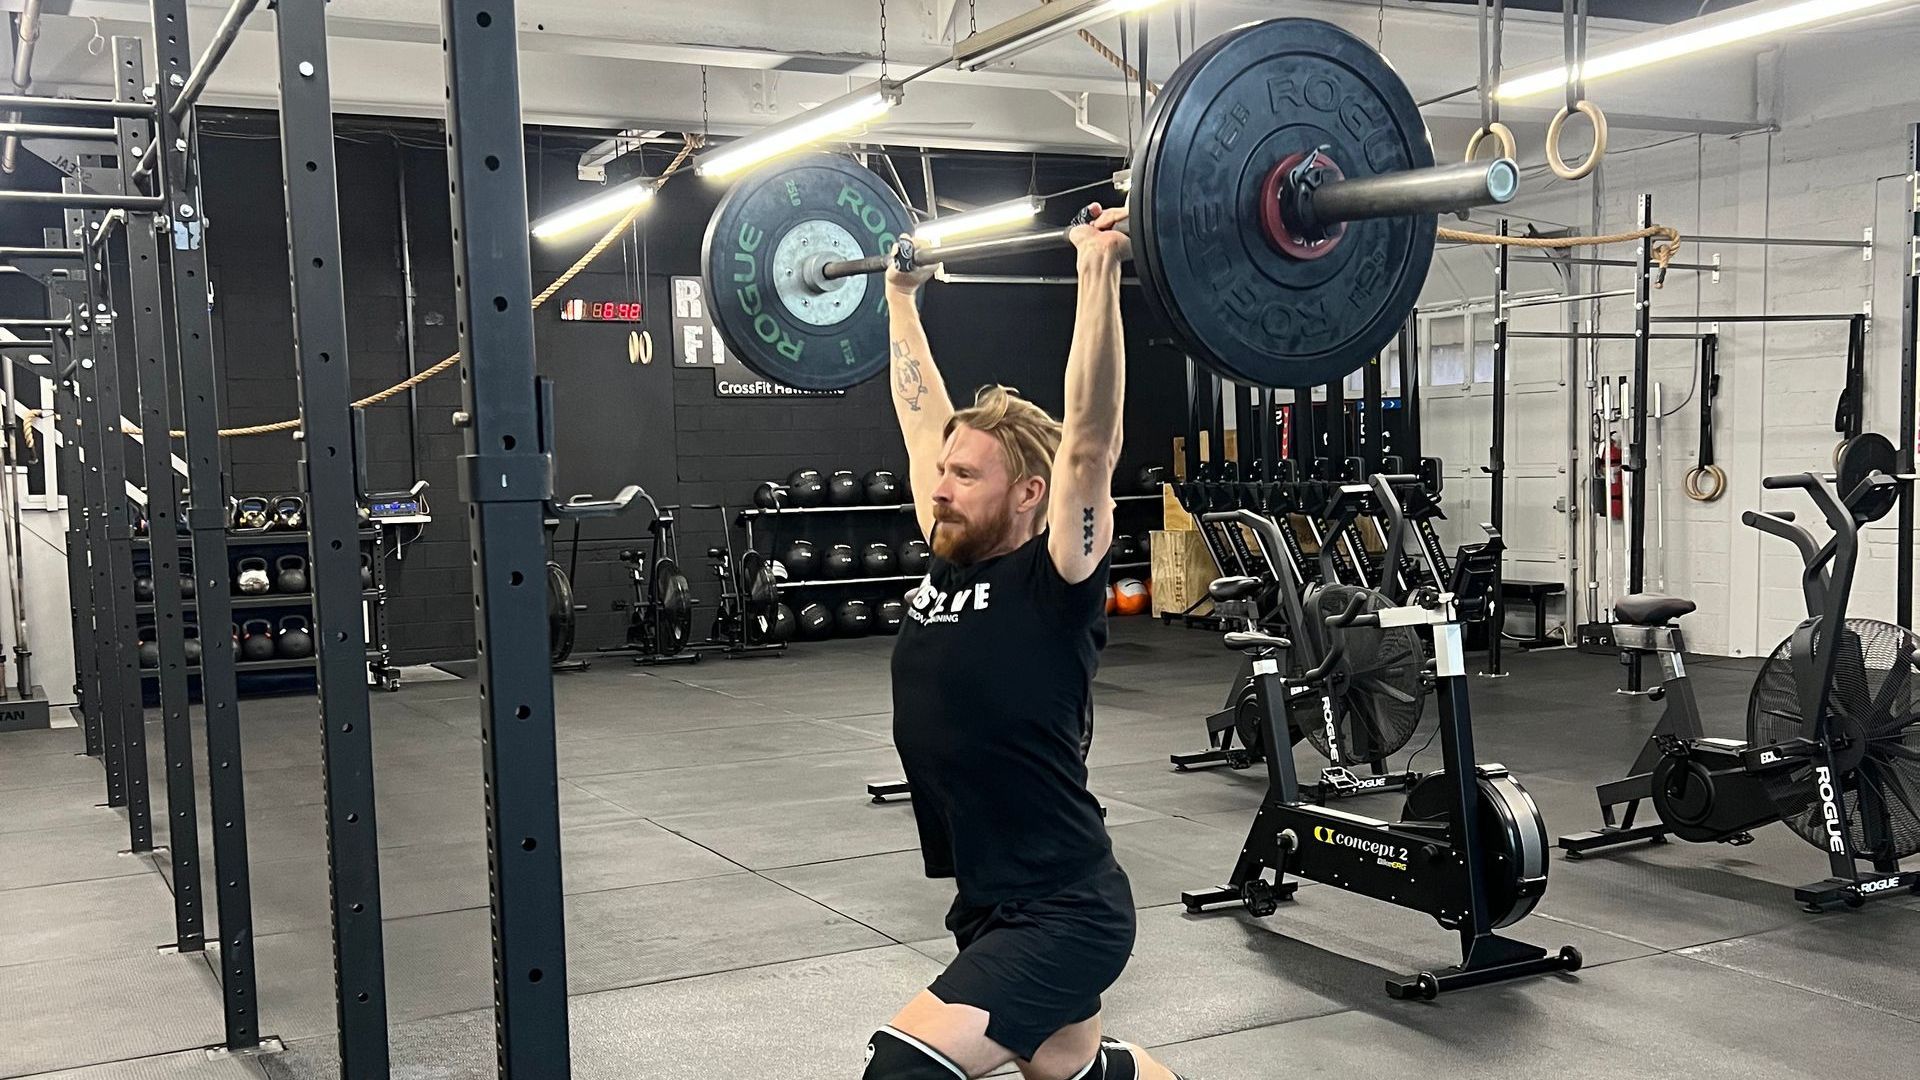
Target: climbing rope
[[1663, 252]]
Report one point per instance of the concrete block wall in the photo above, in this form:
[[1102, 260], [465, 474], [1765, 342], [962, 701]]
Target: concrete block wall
[[1835, 165]]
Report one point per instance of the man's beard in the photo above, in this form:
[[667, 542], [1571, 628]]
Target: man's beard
[[963, 541]]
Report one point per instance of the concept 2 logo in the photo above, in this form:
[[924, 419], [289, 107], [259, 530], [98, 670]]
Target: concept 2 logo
[[1387, 855]]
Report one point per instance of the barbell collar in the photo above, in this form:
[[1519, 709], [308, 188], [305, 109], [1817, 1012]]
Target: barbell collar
[[1441, 189]]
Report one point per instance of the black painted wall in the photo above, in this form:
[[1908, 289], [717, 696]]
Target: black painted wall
[[618, 423]]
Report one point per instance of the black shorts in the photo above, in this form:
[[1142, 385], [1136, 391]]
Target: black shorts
[[1036, 966]]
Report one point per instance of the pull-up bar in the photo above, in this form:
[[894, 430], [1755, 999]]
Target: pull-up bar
[[28, 102], [1756, 318], [1542, 301], [1586, 335], [84, 201], [57, 131], [1779, 241]]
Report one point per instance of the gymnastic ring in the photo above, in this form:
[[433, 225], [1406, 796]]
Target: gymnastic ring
[[1508, 148], [1599, 121], [1701, 494], [640, 347]]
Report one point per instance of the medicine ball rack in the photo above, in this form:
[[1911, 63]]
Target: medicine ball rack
[[746, 518], [270, 675]]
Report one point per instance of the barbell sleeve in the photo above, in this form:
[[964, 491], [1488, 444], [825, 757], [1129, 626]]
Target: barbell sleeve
[[1439, 190]]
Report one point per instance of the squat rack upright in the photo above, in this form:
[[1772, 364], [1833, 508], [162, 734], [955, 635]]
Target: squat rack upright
[[154, 189]]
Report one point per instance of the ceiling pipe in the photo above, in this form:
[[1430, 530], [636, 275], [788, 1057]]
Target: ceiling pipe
[[22, 73]]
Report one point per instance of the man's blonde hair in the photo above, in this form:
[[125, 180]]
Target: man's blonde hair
[[1028, 437]]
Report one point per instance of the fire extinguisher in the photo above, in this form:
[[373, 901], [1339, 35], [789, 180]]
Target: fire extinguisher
[[1616, 480]]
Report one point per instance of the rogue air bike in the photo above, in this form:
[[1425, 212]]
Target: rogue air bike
[[1470, 848], [1367, 707], [1833, 738]]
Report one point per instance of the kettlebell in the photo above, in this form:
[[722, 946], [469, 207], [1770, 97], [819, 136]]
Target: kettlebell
[[290, 513], [143, 590], [149, 650], [366, 571], [256, 640], [192, 646], [295, 641], [252, 514], [252, 578], [293, 574]]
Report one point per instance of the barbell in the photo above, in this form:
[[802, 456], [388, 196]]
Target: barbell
[[1283, 213]]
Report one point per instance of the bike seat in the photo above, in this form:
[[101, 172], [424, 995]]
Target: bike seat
[[1227, 589], [1650, 609]]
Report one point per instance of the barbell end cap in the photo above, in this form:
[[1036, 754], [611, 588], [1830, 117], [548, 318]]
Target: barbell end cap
[[1503, 180]]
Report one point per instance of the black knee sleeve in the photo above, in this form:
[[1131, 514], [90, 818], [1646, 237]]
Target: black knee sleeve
[[894, 1055], [1115, 1062]]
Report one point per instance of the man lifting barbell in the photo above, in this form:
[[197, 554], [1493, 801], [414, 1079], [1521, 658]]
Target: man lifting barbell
[[992, 688], [1281, 223]]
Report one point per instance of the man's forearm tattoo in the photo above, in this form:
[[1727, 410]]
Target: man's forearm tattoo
[[906, 377], [1086, 530]]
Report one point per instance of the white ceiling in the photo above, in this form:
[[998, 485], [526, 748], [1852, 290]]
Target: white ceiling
[[613, 64]]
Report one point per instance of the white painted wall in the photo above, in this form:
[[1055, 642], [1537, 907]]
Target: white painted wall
[[1835, 166]]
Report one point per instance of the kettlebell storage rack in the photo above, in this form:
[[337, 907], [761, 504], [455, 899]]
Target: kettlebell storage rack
[[271, 544]]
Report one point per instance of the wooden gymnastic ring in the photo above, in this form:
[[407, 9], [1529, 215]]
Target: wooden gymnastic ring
[[1702, 494], [1599, 121], [1508, 148]]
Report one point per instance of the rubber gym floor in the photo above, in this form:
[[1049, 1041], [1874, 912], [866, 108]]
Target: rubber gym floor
[[737, 907]]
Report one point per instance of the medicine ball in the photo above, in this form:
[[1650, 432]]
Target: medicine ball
[[815, 622], [784, 623], [1113, 599], [882, 488], [805, 488], [366, 571], [192, 645], [1151, 479], [149, 651], [770, 496], [852, 618], [1126, 548], [914, 555], [801, 561], [841, 562], [892, 612], [877, 559], [187, 586], [1130, 596], [143, 590], [843, 489]]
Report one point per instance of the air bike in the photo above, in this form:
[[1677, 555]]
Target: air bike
[[1833, 737], [1470, 848], [1369, 706]]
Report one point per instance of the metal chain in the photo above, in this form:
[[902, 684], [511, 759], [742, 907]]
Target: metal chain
[[883, 39], [1380, 30], [704, 128], [973, 25]]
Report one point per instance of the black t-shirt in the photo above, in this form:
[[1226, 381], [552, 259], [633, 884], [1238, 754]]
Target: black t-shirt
[[992, 692]]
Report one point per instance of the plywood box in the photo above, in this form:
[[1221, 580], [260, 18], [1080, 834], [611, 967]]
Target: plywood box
[[1182, 570]]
